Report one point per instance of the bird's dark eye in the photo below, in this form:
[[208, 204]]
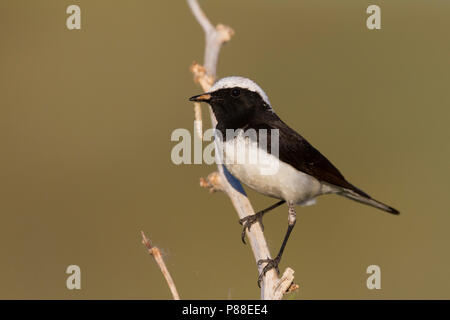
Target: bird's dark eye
[[235, 92]]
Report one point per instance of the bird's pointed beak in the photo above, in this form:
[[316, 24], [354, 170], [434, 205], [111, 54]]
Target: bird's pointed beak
[[204, 97]]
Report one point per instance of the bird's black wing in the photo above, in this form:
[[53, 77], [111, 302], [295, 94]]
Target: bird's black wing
[[299, 153]]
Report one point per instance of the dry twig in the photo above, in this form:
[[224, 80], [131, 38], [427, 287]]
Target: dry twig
[[154, 251]]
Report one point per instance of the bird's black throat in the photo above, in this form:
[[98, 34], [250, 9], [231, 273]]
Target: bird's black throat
[[236, 108]]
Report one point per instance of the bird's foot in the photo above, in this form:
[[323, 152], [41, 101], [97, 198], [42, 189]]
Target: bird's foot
[[248, 221], [271, 264]]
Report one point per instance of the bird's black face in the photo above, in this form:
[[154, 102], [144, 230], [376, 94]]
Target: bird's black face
[[233, 107]]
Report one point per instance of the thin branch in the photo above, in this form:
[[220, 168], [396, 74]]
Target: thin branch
[[272, 286], [198, 123], [201, 17], [154, 251]]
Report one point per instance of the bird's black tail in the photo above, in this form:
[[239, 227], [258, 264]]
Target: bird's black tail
[[361, 196]]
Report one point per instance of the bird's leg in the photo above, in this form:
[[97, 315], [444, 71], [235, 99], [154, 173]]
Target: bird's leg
[[248, 221], [273, 263]]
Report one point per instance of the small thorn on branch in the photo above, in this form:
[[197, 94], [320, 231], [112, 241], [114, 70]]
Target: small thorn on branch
[[293, 287], [213, 182], [200, 76]]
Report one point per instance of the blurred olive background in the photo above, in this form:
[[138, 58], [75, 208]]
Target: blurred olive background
[[86, 118]]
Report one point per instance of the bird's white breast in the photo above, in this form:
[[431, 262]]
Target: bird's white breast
[[267, 174]]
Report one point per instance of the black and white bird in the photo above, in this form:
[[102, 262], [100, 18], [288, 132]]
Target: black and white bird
[[302, 174]]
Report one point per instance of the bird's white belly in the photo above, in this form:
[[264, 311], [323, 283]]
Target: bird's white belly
[[268, 175]]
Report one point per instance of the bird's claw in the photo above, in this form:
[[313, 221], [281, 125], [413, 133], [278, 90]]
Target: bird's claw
[[271, 264], [248, 221]]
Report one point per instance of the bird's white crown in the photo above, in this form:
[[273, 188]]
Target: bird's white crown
[[241, 82]]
